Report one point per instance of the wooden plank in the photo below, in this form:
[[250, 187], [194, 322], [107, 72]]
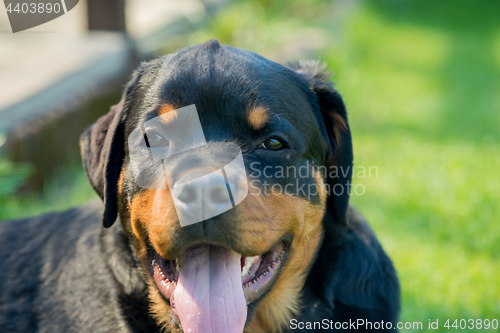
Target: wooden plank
[[106, 15]]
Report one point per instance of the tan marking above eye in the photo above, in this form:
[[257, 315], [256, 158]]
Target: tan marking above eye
[[257, 117], [164, 112]]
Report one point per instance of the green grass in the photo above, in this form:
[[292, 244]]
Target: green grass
[[421, 81], [422, 85], [68, 188]]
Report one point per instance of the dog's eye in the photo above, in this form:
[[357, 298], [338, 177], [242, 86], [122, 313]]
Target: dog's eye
[[155, 140], [272, 144]]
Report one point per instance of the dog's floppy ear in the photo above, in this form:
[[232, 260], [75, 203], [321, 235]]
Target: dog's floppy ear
[[102, 152], [102, 149], [340, 156]]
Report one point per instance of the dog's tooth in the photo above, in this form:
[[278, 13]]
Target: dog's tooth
[[244, 271], [248, 265]]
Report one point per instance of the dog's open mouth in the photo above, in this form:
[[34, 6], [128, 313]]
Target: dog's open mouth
[[209, 287]]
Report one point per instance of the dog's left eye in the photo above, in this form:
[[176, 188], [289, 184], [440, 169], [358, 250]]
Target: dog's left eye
[[155, 140], [272, 144]]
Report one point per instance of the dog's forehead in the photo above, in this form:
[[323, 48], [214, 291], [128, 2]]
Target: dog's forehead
[[226, 83], [223, 69]]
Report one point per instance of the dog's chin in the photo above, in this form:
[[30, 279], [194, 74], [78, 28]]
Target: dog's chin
[[212, 278]]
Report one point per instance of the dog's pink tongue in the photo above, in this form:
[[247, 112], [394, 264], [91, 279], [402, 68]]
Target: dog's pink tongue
[[209, 295]]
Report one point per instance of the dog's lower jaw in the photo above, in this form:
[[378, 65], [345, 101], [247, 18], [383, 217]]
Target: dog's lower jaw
[[283, 302], [274, 311], [276, 308], [161, 311]]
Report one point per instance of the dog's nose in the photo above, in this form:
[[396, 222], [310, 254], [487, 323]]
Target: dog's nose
[[200, 196], [209, 194]]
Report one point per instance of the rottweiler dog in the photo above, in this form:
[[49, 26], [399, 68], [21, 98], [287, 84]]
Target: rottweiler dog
[[290, 255]]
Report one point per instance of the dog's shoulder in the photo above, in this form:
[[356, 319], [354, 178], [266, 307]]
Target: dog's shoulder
[[53, 276], [30, 244]]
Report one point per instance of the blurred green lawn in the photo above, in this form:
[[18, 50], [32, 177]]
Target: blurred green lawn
[[68, 188], [422, 83], [421, 80]]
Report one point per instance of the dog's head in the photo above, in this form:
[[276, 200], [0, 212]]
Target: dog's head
[[246, 266]]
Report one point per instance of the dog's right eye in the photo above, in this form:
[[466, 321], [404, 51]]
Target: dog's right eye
[[272, 144], [153, 140]]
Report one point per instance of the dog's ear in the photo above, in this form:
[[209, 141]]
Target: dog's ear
[[102, 149], [102, 152], [339, 158]]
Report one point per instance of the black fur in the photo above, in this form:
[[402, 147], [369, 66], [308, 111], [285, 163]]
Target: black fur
[[330, 102], [64, 272]]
